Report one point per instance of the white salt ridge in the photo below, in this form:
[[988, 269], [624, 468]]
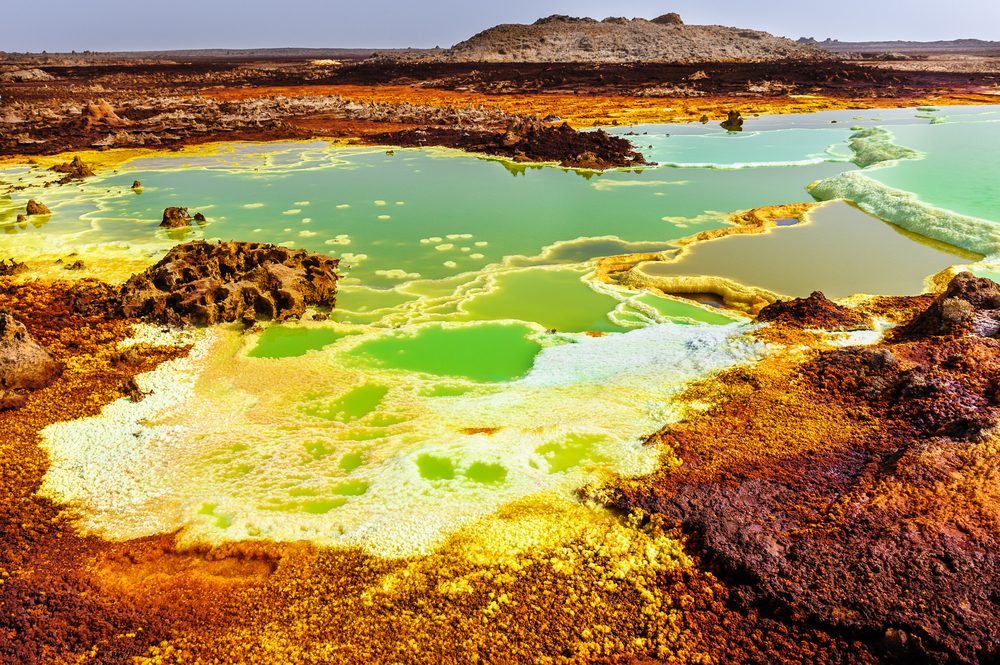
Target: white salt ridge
[[907, 211]]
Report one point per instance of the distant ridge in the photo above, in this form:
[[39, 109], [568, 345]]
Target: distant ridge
[[663, 39], [904, 46]]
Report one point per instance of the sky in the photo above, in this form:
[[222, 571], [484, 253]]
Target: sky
[[113, 25]]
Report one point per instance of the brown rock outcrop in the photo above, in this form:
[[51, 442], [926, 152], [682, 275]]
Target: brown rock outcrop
[[175, 218], [24, 364], [202, 283], [76, 169], [733, 122], [526, 142], [10, 267], [664, 39], [37, 208], [970, 305], [670, 18], [101, 114], [816, 311]]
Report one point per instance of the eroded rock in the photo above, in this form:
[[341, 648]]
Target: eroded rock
[[175, 218], [24, 364], [76, 169], [202, 283], [970, 304], [855, 492], [733, 122]]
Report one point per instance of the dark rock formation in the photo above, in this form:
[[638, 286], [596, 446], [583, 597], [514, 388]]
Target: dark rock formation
[[858, 493], [530, 142], [76, 169], [36, 208], [136, 184], [970, 305], [201, 283], [24, 364], [175, 218], [200, 218], [733, 122], [816, 311], [10, 267], [92, 298]]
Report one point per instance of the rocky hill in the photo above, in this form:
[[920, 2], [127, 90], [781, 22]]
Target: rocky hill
[[666, 38]]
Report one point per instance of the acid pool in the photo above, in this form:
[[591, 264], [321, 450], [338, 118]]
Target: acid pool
[[472, 361]]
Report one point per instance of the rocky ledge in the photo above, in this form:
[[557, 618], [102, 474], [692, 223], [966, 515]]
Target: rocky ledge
[[856, 492], [202, 283], [528, 142]]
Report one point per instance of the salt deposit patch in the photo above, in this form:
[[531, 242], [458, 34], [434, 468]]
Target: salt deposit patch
[[230, 447]]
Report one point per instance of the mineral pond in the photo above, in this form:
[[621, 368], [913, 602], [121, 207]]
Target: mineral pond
[[473, 360]]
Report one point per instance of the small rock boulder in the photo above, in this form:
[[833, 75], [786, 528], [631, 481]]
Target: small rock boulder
[[175, 218], [24, 364], [733, 122], [76, 169], [671, 18], [816, 311], [37, 208]]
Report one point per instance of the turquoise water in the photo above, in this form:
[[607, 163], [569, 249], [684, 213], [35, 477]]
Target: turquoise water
[[958, 171]]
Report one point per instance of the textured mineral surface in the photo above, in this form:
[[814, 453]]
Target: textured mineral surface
[[205, 283]]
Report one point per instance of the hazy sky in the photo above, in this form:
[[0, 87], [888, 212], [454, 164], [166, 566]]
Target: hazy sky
[[105, 25]]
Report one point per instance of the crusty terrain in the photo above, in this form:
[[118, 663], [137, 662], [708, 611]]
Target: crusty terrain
[[204, 283], [855, 490]]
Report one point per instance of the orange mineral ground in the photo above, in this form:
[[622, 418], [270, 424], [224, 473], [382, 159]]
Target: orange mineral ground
[[600, 110]]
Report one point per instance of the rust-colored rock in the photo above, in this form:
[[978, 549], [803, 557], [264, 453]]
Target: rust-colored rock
[[101, 114], [9, 267], [816, 311], [202, 283], [37, 208], [175, 218], [970, 304], [24, 364]]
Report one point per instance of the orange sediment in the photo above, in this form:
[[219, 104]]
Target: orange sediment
[[586, 110]]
